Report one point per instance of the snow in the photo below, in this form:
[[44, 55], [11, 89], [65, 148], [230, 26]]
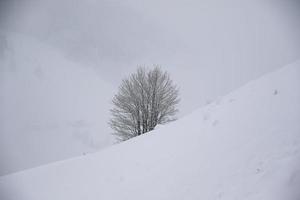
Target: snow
[[244, 145], [57, 75], [51, 108]]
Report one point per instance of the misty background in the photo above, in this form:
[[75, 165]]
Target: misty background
[[61, 61]]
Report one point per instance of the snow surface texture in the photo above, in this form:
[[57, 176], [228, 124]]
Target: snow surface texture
[[51, 96], [51, 108], [242, 146]]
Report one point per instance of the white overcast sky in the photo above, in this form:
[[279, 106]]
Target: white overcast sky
[[209, 47]]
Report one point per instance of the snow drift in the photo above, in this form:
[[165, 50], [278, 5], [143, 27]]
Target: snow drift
[[242, 146]]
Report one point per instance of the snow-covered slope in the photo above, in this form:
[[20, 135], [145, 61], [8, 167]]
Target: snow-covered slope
[[51, 108], [243, 146]]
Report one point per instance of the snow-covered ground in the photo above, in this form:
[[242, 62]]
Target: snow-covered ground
[[242, 146], [51, 108], [59, 72]]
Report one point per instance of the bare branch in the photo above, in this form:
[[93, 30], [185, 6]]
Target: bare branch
[[145, 99]]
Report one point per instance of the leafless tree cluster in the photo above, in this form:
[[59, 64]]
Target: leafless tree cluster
[[145, 99]]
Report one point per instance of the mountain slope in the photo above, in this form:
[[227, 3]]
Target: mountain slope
[[243, 146], [51, 108]]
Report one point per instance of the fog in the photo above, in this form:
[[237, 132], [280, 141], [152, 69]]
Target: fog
[[209, 47]]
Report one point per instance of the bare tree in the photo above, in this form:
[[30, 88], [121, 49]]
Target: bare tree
[[145, 99]]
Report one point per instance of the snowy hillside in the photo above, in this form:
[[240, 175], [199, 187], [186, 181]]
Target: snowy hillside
[[51, 108], [243, 146], [61, 60]]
